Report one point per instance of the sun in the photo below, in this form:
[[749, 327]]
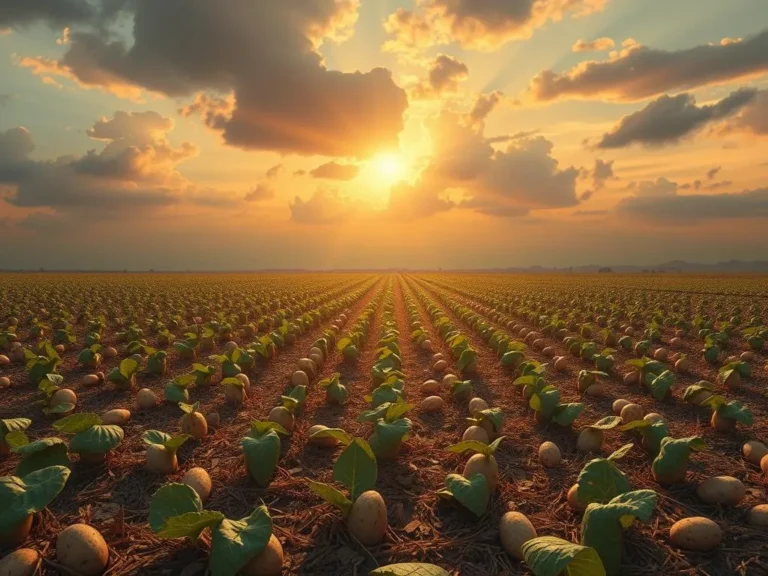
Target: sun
[[389, 167]]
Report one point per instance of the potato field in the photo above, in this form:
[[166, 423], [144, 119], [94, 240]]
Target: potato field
[[384, 424]]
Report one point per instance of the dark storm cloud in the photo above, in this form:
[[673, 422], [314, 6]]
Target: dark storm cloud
[[679, 209], [640, 72], [263, 54], [14, 13], [669, 118]]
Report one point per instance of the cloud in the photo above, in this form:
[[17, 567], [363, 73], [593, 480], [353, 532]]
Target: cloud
[[444, 75], [753, 118], [135, 170], [711, 173], [675, 209], [275, 171], [325, 206], [513, 181], [669, 118], [638, 72], [261, 192], [335, 171], [16, 13], [265, 85], [660, 187], [596, 45], [476, 25], [484, 105]]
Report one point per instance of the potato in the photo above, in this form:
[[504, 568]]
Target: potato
[[432, 404], [268, 563], [90, 380], [200, 481], [109, 352], [306, 365], [5, 382], [515, 530], [326, 442], [4, 361], [316, 350], [487, 466], [317, 359], [82, 550], [138, 358], [230, 346], [195, 425], [699, 397], [682, 365], [632, 379], [449, 379], [118, 416], [300, 378], [747, 356], [59, 348], [63, 396], [754, 451], [539, 344], [160, 461], [437, 357], [549, 352], [573, 499], [477, 405], [16, 534], [596, 391], [561, 363], [661, 354], [430, 387], [244, 379], [549, 455], [146, 399], [367, 521], [675, 342], [618, 405], [725, 490], [440, 366], [764, 464], [590, 440], [213, 419], [281, 415], [476, 433], [757, 516], [22, 562], [653, 417], [697, 534], [722, 424], [630, 413], [235, 394], [426, 345]]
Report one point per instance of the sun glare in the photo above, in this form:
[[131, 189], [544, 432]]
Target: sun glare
[[389, 167]]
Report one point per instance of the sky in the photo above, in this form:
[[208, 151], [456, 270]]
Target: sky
[[252, 134]]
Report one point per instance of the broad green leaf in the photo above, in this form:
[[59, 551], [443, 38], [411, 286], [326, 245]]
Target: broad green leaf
[[621, 452], [176, 394], [550, 556], [41, 454], [376, 414], [565, 414], [155, 437], [469, 446], [16, 439], [735, 410], [397, 410], [472, 493], [466, 359], [235, 543], [409, 569], [190, 525], [172, 500], [21, 497], [77, 423], [261, 456], [176, 442], [601, 481], [336, 433], [388, 435], [128, 368], [607, 423], [332, 496], [98, 439], [603, 525], [672, 462], [356, 468], [13, 425], [261, 427]]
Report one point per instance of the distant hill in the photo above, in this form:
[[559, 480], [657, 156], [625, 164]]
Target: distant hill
[[673, 267]]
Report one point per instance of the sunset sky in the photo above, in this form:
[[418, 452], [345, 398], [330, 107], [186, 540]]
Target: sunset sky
[[248, 134]]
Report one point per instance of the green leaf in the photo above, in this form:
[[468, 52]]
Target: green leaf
[[16, 439], [397, 410], [128, 368], [172, 500], [672, 462], [607, 423], [603, 524], [155, 437], [176, 442], [261, 456], [388, 435], [21, 497], [469, 446], [601, 481], [661, 384], [550, 556], [13, 425], [735, 410], [261, 427], [235, 543], [77, 423], [63, 408], [98, 439], [356, 468], [41, 454], [565, 414], [466, 359], [336, 433], [621, 452], [190, 525], [376, 414], [175, 393], [472, 493], [332, 496], [409, 569]]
